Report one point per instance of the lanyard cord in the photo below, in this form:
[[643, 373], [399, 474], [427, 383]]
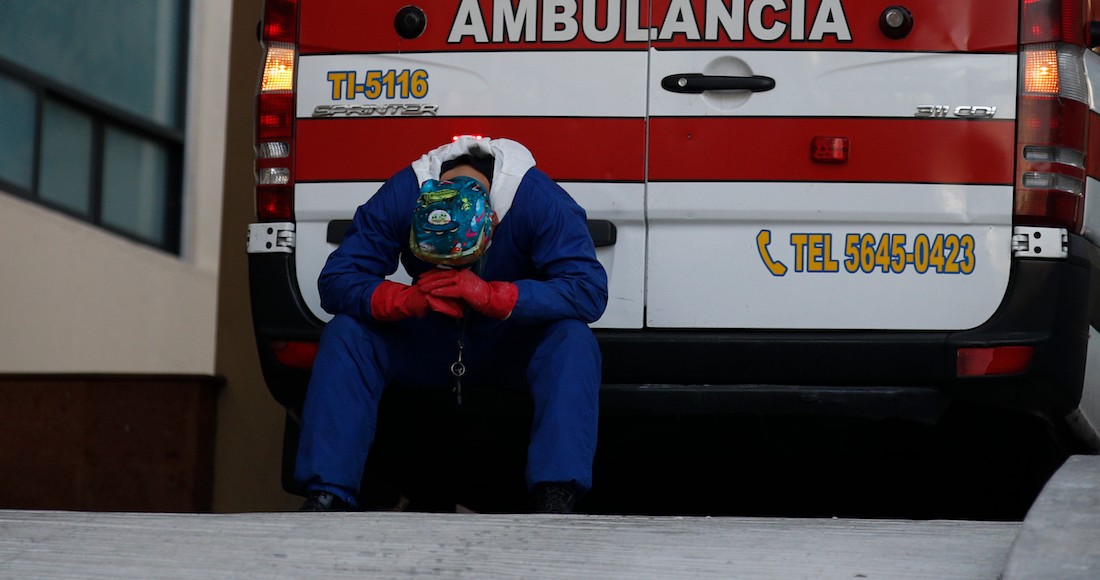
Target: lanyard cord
[[458, 368]]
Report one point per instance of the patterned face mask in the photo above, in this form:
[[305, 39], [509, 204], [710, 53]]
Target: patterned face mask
[[452, 222]]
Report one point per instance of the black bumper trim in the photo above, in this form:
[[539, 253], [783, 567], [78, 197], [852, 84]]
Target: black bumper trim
[[1047, 305], [924, 404]]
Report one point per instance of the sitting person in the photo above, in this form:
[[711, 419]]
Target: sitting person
[[505, 282]]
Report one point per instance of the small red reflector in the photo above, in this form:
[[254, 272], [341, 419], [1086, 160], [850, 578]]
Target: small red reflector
[[1052, 21], [274, 202], [280, 21], [997, 360], [1040, 207], [294, 354], [829, 149], [275, 117]]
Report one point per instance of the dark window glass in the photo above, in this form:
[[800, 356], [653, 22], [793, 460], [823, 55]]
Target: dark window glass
[[65, 172], [91, 110], [17, 103], [134, 185], [125, 52]]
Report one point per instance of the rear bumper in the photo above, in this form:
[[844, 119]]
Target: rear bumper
[[279, 314], [907, 374], [1047, 306]]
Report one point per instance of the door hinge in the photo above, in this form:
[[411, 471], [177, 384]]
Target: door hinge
[[272, 237], [1036, 242]]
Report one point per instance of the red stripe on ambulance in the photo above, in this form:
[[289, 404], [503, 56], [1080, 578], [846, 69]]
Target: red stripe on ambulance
[[603, 149], [681, 148], [880, 150]]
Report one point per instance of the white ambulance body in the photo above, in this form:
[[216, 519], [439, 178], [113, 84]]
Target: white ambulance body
[[852, 204]]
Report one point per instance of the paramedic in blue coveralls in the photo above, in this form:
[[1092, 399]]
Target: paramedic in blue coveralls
[[522, 306]]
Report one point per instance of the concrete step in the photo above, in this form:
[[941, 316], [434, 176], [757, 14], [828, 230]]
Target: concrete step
[[1060, 538], [384, 545]]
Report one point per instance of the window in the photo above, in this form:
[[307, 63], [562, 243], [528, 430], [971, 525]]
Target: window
[[17, 105], [92, 111]]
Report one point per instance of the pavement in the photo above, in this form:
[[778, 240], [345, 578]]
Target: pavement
[[1059, 538], [1061, 533]]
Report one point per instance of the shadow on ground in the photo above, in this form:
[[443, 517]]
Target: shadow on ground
[[977, 464]]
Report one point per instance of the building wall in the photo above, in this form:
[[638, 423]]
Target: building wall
[[107, 359], [250, 423], [97, 327], [78, 299], [87, 313]]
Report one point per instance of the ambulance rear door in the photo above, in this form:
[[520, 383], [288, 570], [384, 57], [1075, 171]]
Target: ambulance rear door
[[829, 164], [379, 83]]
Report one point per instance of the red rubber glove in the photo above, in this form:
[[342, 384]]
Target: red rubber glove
[[446, 306], [392, 301], [493, 299]]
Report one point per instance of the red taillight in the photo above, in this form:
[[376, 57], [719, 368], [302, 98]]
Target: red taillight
[[1052, 115], [1050, 179], [295, 354], [274, 116], [997, 360], [1052, 21], [274, 156], [275, 113], [280, 22], [274, 203]]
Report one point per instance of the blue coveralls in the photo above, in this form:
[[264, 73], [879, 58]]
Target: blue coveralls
[[542, 245]]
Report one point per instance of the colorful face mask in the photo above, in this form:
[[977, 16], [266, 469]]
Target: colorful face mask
[[452, 222]]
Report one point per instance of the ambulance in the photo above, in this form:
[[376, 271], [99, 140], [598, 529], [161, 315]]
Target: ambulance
[[869, 207]]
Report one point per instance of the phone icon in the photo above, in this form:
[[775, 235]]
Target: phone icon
[[776, 267]]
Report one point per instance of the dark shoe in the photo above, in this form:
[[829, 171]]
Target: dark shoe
[[554, 498], [322, 501]]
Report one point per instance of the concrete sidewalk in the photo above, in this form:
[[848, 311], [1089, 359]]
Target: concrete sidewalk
[[1060, 538], [386, 545], [1061, 534]]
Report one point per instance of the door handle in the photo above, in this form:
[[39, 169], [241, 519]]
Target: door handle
[[697, 83], [603, 232]]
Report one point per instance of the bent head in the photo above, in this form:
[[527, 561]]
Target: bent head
[[480, 168], [453, 221]]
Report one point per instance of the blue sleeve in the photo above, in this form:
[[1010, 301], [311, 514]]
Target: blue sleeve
[[370, 250], [572, 282]]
